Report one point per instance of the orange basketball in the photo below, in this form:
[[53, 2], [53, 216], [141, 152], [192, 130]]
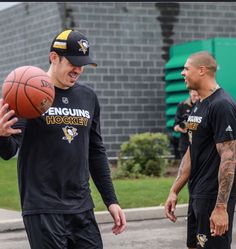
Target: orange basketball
[[28, 90]]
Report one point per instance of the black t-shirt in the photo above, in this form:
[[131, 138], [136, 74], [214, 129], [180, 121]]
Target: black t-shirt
[[58, 152], [211, 121]]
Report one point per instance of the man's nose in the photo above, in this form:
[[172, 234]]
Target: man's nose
[[78, 69]]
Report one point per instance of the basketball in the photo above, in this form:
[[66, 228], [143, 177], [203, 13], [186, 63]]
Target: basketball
[[28, 91]]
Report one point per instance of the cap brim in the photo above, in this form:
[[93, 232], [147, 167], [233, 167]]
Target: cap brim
[[80, 61]]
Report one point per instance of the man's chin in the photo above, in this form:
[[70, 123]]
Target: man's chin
[[189, 87], [71, 83]]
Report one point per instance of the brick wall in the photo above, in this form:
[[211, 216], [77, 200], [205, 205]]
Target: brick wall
[[130, 42]]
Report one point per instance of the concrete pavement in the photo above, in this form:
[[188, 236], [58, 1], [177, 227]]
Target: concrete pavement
[[147, 228], [12, 220], [144, 234]]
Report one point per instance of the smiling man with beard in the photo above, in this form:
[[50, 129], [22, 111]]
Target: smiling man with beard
[[209, 163]]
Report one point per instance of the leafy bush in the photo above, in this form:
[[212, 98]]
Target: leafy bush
[[143, 155]]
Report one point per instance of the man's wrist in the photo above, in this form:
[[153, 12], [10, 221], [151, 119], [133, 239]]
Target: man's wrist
[[221, 206], [111, 203], [173, 192]]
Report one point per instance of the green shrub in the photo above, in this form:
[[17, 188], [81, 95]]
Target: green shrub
[[143, 155]]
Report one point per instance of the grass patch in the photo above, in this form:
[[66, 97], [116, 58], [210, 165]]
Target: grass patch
[[9, 195], [135, 193], [132, 193]]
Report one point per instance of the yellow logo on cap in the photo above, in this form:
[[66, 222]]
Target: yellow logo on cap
[[61, 45], [63, 37]]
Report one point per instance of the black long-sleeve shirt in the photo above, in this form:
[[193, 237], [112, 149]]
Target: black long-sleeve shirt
[[57, 153]]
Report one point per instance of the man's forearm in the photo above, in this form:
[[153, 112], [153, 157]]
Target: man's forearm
[[183, 173], [227, 151]]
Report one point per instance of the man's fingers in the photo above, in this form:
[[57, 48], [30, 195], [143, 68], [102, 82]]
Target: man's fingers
[[119, 218], [120, 223], [3, 109], [170, 215], [118, 229], [226, 227], [172, 206], [8, 115], [213, 228], [219, 221], [212, 225], [1, 103], [14, 131], [7, 126], [169, 211], [7, 121], [123, 219], [219, 230], [173, 217]]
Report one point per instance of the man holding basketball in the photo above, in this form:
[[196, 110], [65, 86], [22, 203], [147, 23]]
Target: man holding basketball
[[209, 163], [57, 153]]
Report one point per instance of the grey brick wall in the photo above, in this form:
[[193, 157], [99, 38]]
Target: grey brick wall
[[26, 30], [130, 42], [198, 21], [126, 44]]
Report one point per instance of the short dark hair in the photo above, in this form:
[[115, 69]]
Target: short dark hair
[[204, 58]]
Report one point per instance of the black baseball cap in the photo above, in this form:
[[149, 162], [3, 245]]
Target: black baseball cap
[[74, 46]]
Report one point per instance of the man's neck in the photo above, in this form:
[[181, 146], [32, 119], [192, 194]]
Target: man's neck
[[213, 89], [207, 92]]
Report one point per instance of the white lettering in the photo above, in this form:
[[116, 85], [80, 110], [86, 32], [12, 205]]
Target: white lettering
[[67, 112], [195, 119]]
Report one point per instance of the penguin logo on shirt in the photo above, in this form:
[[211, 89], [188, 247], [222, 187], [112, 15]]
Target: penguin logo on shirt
[[65, 100], [70, 133]]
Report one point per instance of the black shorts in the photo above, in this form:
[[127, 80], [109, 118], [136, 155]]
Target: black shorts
[[63, 231], [198, 231]]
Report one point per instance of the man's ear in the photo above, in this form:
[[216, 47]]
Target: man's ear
[[202, 70], [53, 57]]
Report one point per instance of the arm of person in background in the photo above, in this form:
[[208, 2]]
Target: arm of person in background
[[219, 220], [100, 173], [9, 136], [179, 119], [181, 180], [179, 129]]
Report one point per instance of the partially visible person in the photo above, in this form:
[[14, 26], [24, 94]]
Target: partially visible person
[[57, 154], [174, 142], [209, 162], [183, 110]]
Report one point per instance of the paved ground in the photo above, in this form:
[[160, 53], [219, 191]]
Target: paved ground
[[146, 234], [151, 234]]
